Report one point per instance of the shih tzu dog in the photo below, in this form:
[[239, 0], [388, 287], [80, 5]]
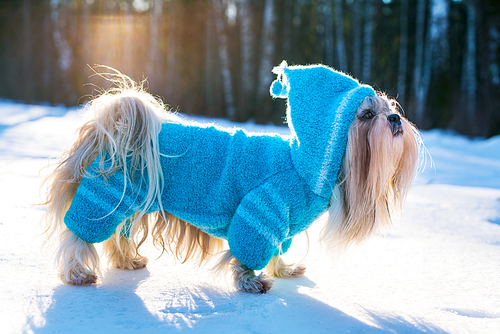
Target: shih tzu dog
[[135, 168]]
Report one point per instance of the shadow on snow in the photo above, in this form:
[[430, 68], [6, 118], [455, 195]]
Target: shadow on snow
[[115, 307]]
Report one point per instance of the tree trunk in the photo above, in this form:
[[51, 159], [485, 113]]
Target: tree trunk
[[287, 29], [127, 41], [419, 51], [64, 51], [247, 97], [469, 79], [86, 59], [47, 52], [403, 51], [209, 63], [493, 56], [328, 19], [297, 19], [368, 40], [339, 28], [423, 88], [27, 39], [439, 32], [435, 53], [171, 73], [267, 46], [153, 65], [356, 34], [224, 61]]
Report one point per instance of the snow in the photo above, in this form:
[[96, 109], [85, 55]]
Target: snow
[[436, 271]]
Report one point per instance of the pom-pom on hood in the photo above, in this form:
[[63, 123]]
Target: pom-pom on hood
[[322, 104]]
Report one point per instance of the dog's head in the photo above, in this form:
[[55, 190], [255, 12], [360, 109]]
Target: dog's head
[[377, 171]]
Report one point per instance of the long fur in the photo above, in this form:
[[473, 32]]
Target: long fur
[[124, 125], [77, 260], [377, 171], [376, 174], [279, 269], [244, 278], [184, 240], [123, 252]]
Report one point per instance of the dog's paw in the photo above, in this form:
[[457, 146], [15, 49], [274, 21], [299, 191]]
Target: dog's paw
[[79, 278], [278, 269], [139, 262], [256, 284], [265, 283], [298, 271], [85, 280], [291, 272]]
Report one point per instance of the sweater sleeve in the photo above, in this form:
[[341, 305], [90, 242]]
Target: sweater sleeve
[[101, 203], [270, 215], [260, 224]]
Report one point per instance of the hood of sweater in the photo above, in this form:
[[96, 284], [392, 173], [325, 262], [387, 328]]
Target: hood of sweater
[[322, 104]]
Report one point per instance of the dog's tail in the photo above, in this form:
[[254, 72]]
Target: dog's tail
[[124, 125]]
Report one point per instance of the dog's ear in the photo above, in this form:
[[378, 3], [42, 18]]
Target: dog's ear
[[407, 166], [352, 213], [365, 200]]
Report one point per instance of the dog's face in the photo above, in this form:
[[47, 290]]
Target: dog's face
[[378, 168], [382, 144]]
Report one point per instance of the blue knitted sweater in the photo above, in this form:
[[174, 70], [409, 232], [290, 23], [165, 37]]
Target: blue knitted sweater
[[256, 191]]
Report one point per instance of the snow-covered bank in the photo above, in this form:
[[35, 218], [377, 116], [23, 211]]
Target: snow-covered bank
[[437, 271]]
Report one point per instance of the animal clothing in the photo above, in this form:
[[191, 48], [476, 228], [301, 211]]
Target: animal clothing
[[255, 190]]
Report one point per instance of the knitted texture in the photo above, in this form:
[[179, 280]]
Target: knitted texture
[[256, 191], [322, 104]]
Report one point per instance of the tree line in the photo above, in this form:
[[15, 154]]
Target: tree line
[[439, 58]]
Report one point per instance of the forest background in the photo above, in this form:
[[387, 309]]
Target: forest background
[[439, 58]]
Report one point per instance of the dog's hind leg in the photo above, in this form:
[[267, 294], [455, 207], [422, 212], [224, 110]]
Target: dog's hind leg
[[279, 269], [121, 249], [122, 253], [77, 259]]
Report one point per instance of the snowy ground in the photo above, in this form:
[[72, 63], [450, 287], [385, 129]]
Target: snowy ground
[[437, 271]]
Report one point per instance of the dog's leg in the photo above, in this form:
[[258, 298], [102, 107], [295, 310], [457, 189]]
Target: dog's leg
[[279, 269], [122, 253], [244, 278], [77, 259]]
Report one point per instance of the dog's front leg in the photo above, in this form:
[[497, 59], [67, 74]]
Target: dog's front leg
[[245, 279], [77, 260], [257, 230]]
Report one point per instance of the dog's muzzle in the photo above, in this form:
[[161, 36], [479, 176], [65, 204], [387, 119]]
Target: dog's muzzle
[[397, 126]]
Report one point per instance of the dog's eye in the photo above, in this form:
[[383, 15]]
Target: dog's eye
[[368, 115]]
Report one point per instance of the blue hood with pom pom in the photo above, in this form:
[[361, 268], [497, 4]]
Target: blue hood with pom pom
[[322, 104]]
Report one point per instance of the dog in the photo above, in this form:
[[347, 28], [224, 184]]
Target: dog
[[135, 167]]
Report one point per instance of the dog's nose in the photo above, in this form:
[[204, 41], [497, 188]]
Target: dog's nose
[[394, 119]]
